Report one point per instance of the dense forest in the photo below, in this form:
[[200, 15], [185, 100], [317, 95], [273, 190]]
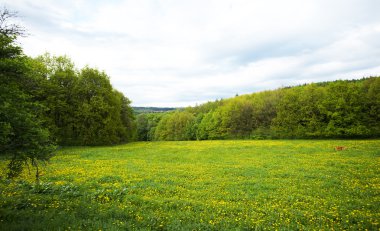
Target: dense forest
[[77, 107], [83, 107], [338, 109]]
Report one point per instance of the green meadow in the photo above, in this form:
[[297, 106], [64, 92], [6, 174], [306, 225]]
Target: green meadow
[[200, 185]]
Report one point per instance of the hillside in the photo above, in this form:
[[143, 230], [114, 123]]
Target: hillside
[[337, 109]]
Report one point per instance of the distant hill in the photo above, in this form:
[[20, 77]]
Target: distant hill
[[140, 110]]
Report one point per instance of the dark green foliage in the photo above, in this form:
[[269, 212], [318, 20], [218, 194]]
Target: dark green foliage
[[23, 137], [60, 95], [193, 126], [98, 119], [142, 127], [128, 119], [146, 125], [84, 109], [339, 109], [372, 105]]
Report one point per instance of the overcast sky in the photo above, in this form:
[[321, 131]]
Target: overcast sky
[[179, 53]]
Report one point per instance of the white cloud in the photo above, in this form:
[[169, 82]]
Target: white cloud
[[177, 53]]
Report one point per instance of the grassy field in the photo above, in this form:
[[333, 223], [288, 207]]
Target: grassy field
[[208, 185]]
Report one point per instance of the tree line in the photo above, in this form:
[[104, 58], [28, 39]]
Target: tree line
[[338, 109], [46, 101]]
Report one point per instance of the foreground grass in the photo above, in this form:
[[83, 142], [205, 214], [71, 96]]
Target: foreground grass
[[210, 185]]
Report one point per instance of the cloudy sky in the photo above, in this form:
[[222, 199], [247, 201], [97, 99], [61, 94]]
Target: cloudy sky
[[179, 53]]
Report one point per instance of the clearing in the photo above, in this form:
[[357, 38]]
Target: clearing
[[201, 185]]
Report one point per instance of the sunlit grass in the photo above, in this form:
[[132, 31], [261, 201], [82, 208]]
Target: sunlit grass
[[204, 185]]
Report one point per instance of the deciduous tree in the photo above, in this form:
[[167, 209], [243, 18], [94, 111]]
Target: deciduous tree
[[23, 137]]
